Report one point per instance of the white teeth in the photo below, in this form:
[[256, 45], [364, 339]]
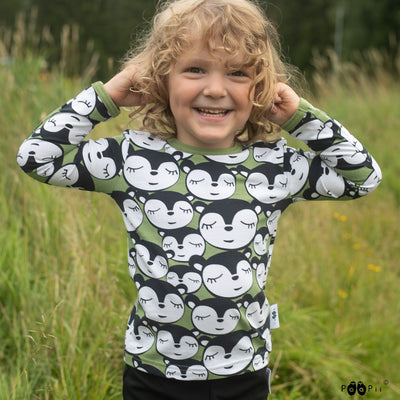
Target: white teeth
[[212, 112]]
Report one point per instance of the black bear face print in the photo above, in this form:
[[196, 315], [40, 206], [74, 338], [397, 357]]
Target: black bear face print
[[270, 152], [85, 102], [257, 310], [260, 243], [324, 181], [151, 259], [209, 181], [230, 159], [144, 140], [131, 212], [34, 152], [214, 316], [187, 370], [150, 171], [176, 343], [261, 359], [160, 300], [99, 159], [229, 224], [299, 169], [226, 274], [229, 355], [183, 243], [168, 210], [266, 183], [65, 127], [185, 278], [139, 338]]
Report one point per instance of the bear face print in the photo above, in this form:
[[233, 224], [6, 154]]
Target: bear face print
[[139, 338], [230, 159], [261, 359], [298, 174], [229, 224], [257, 310], [214, 316], [226, 274], [151, 259], [324, 181], [85, 103], [317, 134], [176, 343], [131, 212], [161, 302], [261, 268], [168, 210], [99, 157], [186, 279], [68, 175], [187, 370], [261, 240], [266, 183], [229, 355], [149, 170], [209, 181], [35, 152], [183, 243], [144, 139], [270, 152], [65, 127]]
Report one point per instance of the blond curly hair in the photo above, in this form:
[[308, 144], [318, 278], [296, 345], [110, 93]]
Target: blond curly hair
[[241, 27]]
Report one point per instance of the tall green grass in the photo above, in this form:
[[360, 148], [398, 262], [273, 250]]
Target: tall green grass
[[65, 296]]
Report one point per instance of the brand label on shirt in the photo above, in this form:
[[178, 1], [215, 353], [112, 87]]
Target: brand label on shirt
[[273, 312]]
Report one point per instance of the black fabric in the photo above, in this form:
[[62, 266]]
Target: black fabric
[[139, 385]]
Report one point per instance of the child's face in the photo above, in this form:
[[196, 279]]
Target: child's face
[[210, 99]]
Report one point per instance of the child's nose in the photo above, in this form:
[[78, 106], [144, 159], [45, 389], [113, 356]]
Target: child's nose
[[215, 86]]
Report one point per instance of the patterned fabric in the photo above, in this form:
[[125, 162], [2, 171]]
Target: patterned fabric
[[201, 225]]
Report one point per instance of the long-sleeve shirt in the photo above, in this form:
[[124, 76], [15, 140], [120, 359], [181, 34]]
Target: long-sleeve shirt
[[201, 224]]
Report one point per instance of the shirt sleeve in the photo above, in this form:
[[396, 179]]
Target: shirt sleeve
[[337, 166], [57, 152]]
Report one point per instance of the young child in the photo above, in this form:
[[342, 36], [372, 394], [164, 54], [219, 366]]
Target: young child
[[201, 188]]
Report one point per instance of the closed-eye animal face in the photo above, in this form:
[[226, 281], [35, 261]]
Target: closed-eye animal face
[[211, 181], [215, 316], [185, 278], [257, 311], [187, 370], [99, 158], [230, 224], [229, 356], [168, 210], [267, 183], [176, 343], [65, 126], [36, 151], [151, 259], [227, 275], [139, 338], [150, 171], [183, 243], [160, 301]]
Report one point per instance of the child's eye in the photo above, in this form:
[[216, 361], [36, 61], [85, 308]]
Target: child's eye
[[237, 73], [194, 70]]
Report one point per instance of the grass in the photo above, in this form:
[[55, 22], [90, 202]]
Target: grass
[[65, 296]]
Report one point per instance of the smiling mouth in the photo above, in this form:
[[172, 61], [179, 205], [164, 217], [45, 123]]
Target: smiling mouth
[[212, 112]]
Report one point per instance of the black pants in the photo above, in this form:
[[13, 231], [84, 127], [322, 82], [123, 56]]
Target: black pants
[[139, 385]]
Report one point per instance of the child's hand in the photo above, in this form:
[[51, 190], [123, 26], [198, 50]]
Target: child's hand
[[286, 103], [121, 89]]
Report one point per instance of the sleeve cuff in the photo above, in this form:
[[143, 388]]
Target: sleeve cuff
[[106, 99]]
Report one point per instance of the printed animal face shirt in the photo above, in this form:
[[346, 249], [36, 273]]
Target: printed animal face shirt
[[201, 225]]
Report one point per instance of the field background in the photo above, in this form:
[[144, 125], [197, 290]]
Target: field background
[[65, 294]]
